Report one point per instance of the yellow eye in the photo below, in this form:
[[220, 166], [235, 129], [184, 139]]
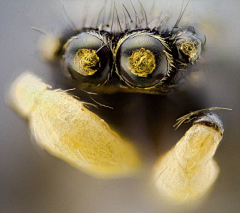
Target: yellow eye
[[86, 62], [187, 48], [141, 59], [142, 62], [87, 57]]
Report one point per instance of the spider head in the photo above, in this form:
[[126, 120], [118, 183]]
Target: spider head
[[140, 60]]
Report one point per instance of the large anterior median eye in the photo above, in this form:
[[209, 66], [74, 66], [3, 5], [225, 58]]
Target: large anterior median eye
[[88, 58], [141, 60]]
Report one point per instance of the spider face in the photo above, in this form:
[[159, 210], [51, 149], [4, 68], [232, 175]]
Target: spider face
[[140, 60], [133, 59]]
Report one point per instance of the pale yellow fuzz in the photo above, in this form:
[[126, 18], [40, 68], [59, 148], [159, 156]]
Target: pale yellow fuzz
[[188, 170], [48, 47], [65, 128]]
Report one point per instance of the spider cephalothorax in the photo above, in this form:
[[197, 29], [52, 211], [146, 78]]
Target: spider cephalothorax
[[141, 60], [125, 57], [132, 57]]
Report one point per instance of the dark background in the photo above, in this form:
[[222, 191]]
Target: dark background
[[33, 181]]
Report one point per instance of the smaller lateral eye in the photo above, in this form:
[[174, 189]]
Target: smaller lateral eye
[[87, 58], [141, 60], [187, 48]]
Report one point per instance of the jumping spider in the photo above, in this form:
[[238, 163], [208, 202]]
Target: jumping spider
[[120, 56]]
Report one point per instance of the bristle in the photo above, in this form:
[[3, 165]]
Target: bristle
[[119, 24], [136, 17], [144, 14], [180, 15], [74, 27]]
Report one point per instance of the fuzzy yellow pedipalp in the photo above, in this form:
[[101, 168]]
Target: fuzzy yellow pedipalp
[[188, 170], [66, 129]]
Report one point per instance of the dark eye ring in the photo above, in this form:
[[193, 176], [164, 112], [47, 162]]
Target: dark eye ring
[[141, 59], [88, 58]]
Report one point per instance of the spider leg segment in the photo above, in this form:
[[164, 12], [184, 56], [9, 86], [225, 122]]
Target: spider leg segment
[[188, 170], [66, 129]]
